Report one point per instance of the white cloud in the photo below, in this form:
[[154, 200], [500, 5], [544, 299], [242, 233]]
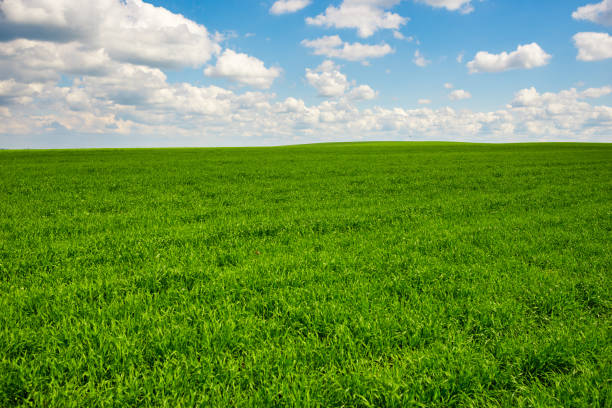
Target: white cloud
[[399, 36], [424, 101], [243, 69], [419, 59], [327, 80], [593, 46], [366, 16], [330, 82], [448, 85], [525, 57], [334, 47], [460, 57], [288, 6], [126, 30], [526, 97], [13, 92], [530, 97], [369, 16], [463, 6], [45, 61], [600, 13], [362, 93], [459, 94], [596, 92]]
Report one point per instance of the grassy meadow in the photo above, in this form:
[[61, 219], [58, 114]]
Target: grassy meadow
[[370, 275]]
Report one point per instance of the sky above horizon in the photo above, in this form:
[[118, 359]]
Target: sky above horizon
[[133, 73]]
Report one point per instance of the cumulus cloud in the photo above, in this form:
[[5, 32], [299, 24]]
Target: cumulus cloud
[[600, 13], [366, 16], [288, 6], [243, 69], [327, 79], [463, 6], [420, 60], [106, 25], [596, 92], [525, 57], [448, 85], [362, 93], [593, 46], [424, 101], [334, 47], [459, 94], [330, 82]]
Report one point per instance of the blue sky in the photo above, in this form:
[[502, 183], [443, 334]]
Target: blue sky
[[494, 26], [211, 73]]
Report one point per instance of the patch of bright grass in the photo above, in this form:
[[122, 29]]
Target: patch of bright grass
[[378, 274]]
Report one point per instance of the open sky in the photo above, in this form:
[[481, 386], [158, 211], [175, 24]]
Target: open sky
[[127, 73]]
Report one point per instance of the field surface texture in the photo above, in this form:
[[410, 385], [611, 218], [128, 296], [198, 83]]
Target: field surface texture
[[373, 275]]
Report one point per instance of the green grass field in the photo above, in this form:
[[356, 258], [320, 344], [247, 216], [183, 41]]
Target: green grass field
[[374, 274]]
